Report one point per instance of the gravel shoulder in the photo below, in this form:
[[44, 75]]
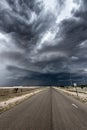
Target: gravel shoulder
[[82, 95]]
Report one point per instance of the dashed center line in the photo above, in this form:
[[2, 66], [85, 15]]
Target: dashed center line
[[75, 105]]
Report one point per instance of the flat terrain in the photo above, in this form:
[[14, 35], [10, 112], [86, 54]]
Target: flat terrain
[[47, 110], [7, 93], [82, 93]]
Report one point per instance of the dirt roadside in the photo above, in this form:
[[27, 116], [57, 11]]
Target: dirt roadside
[[7, 104], [82, 96]]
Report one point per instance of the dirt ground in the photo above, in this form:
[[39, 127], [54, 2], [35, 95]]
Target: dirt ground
[[7, 92], [79, 93], [12, 98]]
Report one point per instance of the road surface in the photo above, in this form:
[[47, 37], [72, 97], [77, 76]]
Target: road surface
[[47, 110]]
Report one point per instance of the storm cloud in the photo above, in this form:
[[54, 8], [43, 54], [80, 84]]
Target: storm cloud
[[42, 42]]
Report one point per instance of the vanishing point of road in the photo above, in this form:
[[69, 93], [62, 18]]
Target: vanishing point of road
[[48, 110]]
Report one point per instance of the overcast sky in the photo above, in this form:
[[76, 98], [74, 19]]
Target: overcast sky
[[42, 41]]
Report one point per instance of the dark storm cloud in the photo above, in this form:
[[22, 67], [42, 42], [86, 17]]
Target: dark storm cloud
[[41, 40]]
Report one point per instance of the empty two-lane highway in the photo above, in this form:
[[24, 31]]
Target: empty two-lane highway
[[47, 110]]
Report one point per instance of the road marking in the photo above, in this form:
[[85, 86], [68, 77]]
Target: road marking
[[74, 105]]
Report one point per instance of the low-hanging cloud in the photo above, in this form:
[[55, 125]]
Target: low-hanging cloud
[[42, 40]]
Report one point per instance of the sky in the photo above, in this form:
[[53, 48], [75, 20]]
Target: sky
[[43, 42]]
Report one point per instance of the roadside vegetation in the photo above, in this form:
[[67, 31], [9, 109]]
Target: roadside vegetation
[[7, 93], [79, 92], [9, 97]]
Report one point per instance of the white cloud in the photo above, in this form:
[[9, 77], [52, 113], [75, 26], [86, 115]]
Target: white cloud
[[74, 58], [83, 44], [47, 56], [67, 11], [46, 39], [5, 42], [84, 70], [50, 5], [4, 5], [33, 17]]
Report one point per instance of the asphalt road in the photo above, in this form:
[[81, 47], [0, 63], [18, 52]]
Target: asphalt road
[[47, 110]]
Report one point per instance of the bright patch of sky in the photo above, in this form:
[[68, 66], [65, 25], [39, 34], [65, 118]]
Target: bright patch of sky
[[50, 5], [4, 5], [49, 36], [85, 69], [66, 13], [83, 44]]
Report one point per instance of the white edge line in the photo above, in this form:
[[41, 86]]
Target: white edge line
[[75, 105]]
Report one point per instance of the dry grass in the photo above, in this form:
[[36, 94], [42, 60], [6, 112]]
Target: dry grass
[[8, 93], [82, 93]]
